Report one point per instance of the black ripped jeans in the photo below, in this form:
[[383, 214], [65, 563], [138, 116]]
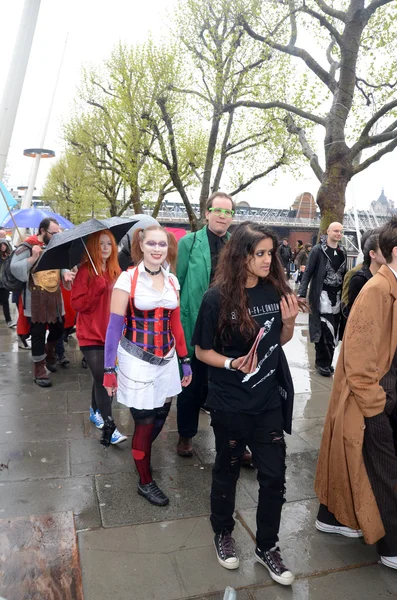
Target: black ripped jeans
[[264, 435]]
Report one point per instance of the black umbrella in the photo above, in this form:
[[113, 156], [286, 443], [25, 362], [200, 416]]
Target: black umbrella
[[66, 249]]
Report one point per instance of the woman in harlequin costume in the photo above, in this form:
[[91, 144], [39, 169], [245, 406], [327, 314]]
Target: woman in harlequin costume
[[145, 335]]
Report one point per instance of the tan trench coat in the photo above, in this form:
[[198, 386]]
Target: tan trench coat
[[368, 348]]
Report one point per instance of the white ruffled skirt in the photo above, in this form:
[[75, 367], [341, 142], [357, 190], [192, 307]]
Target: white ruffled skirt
[[145, 386]]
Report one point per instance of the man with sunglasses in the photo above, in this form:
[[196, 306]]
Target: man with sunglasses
[[198, 254], [42, 299]]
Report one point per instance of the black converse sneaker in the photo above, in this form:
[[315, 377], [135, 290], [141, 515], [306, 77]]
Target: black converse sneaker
[[226, 550], [272, 560]]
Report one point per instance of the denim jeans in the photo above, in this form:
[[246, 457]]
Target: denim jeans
[[264, 435]]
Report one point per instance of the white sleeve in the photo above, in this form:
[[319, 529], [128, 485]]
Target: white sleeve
[[123, 282]]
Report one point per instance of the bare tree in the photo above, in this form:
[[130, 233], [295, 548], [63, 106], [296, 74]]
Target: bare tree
[[361, 123]]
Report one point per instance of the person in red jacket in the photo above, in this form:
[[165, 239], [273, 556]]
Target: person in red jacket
[[91, 294]]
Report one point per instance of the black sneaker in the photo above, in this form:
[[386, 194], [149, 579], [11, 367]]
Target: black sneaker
[[153, 494], [324, 371], [226, 550], [272, 560]]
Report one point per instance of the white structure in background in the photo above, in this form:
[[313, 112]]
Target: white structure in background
[[382, 206], [41, 152], [16, 75]]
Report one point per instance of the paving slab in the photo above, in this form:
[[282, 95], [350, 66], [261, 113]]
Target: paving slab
[[38, 428], [307, 551], [88, 456], [39, 558], [174, 560], [45, 402], [306, 381], [311, 405], [51, 496], [187, 488], [34, 460], [241, 595], [365, 583], [310, 430], [80, 401]]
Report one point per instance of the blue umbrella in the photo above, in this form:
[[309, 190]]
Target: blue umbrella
[[32, 217], [6, 201]]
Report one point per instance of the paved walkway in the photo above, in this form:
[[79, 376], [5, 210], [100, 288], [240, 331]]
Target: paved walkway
[[52, 462]]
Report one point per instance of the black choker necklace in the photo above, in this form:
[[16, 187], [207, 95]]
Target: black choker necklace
[[152, 272]]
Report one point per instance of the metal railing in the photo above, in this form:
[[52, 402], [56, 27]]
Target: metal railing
[[274, 217]]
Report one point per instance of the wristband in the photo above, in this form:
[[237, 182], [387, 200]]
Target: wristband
[[109, 370], [228, 363], [184, 360], [110, 380]]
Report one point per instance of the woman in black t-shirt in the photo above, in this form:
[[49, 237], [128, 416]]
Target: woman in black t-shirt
[[250, 404]]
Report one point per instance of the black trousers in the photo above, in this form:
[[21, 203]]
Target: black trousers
[[38, 333], [5, 303], [264, 435], [100, 399], [381, 464], [191, 399], [379, 452], [325, 347]]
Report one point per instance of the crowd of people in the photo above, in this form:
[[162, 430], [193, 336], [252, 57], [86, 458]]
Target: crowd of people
[[206, 320]]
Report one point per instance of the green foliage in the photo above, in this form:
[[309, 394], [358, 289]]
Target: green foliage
[[70, 190]]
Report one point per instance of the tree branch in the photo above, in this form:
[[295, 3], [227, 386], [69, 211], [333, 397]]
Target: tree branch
[[276, 165], [375, 4], [247, 147], [282, 105], [325, 23], [375, 157], [313, 65], [380, 113], [105, 91], [381, 138], [306, 149], [334, 64], [194, 92], [330, 11]]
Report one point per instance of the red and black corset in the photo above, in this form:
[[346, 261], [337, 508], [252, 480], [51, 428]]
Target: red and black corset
[[150, 329]]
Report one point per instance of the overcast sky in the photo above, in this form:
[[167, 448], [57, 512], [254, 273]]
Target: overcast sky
[[93, 28]]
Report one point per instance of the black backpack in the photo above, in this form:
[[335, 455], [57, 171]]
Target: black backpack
[[7, 279]]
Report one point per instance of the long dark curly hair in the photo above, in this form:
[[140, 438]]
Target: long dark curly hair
[[231, 277]]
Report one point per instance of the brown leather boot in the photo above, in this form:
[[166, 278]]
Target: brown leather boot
[[40, 374], [184, 447], [51, 358]]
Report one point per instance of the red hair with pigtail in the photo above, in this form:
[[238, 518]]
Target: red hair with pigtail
[[139, 236], [94, 249]]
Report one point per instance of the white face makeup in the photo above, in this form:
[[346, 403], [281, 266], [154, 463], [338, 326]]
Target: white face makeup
[[154, 247]]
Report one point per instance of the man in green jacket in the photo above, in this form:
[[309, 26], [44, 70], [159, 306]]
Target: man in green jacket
[[197, 259]]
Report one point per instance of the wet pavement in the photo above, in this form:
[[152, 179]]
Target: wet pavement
[[52, 464]]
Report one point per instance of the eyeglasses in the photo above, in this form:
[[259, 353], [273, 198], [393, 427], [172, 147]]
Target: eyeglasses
[[153, 244], [226, 212], [52, 232]]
